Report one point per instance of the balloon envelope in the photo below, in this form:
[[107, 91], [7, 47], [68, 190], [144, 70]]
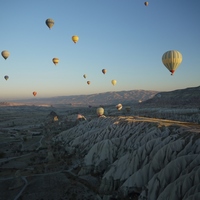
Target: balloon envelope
[[84, 75], [88, 82], [100, 111], [5, 54], [114, 82], [172, 59], [104, 71], [34, 93], [55, 61], [6, 77], [146, 3], [49, 22], [75, 38], [119, 106]]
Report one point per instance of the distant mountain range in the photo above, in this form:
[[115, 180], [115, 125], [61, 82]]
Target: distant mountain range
[[107, 98], [189, 97]]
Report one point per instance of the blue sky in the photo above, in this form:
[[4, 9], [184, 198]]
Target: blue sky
[[123, 36]]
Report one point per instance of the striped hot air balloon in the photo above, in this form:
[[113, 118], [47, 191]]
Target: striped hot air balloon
[[172, 59], [55, 61], [100, 111], [49, 22]]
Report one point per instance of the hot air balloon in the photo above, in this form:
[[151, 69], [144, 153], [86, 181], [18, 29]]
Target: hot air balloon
[[104, 71], [49, 22], [5, 54], [172, 59], [75, 39], [84, 75], [100, 111], [55, 61], [34, 93], [114, 82], [6, 77], [146, 3], [119, 106], [88, 82]]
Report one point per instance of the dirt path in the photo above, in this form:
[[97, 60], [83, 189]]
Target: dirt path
[[193, 127]]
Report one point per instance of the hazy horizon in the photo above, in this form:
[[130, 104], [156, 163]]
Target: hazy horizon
[[75, 95]]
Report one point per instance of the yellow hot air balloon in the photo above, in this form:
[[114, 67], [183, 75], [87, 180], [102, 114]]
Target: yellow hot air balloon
[[172, 59], [114, 82], [49, 22], [88, 82], [146, 3], [75, 38], [100, 111], [5, 54], [55, 61], [104, 71], [84, 75]]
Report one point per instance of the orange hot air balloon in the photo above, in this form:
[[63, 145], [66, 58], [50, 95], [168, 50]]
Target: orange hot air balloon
[[88, 82], [34, 93], [104, 71]]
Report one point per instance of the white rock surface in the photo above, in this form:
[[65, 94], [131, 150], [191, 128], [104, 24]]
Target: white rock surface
[[155, 159]]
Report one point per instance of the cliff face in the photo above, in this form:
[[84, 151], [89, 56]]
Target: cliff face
[[158, 159]]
